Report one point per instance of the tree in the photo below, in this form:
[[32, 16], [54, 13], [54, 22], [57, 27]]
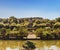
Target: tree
[[58, 19], [6, 26], [3, 32], [39, 32], [23, 32], [12, 19], [1, 25], [56, 33], [57, 25], [5, 21], [12, 25], [47, 34]]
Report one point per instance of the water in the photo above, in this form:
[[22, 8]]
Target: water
[[40, 44]]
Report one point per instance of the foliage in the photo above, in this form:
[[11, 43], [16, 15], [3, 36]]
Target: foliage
[[29, 45], [43, 28]]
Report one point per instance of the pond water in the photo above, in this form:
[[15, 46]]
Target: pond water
[[40, 44]]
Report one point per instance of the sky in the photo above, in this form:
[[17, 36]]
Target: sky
[[30, 8]]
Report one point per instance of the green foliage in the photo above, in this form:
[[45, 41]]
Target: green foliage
[[29, 44], [57, 25], [58, 19], [39, 31], [43, 28], [23, 31]]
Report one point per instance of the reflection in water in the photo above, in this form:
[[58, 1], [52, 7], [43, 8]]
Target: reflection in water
[[53, 47], [40, 45], [43, 48], [8, 48]]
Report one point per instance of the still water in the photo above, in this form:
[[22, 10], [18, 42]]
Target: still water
[[40, 44]]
